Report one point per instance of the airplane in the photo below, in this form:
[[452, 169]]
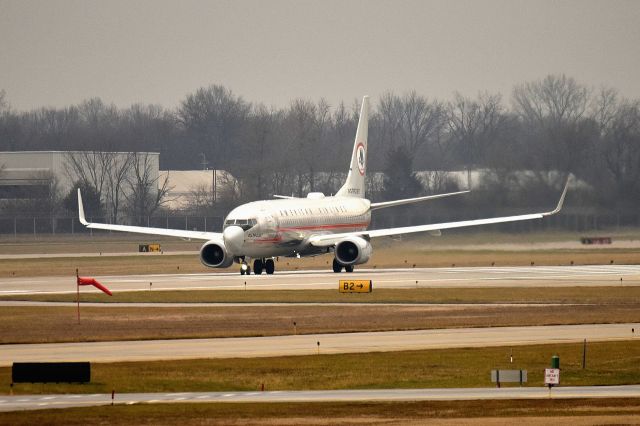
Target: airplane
[[311, 226]]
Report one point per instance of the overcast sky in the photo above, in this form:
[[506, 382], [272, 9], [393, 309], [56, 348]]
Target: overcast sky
[[56, 53]]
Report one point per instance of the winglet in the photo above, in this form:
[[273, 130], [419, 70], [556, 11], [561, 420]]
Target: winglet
[[561, 202], [81, 210]]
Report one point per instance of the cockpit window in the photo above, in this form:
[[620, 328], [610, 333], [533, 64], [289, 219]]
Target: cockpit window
[[242, 223]]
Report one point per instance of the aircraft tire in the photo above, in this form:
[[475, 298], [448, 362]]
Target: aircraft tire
[[257, 266], [270, 266], [337, 267], [348, 268]]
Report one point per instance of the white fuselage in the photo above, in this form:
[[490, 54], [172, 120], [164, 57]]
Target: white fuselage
[[281, 227]]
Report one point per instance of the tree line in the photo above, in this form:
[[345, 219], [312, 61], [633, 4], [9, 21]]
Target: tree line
[[525, 143]]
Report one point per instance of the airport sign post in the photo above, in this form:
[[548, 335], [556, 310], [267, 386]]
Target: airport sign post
[[551, 377], [355, 286]]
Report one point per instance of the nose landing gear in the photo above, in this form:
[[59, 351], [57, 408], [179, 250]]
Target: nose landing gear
[[245, 269]]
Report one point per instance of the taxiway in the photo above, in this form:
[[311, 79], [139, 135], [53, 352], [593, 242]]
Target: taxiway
[[35, 402], [530, 276], [251, 347]]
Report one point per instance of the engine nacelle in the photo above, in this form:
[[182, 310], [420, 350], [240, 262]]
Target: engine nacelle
[[214, 255], [353, 251]]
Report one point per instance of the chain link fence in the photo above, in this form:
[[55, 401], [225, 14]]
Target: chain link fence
[[52, 225]]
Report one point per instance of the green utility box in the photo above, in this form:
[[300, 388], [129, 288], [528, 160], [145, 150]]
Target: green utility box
[[555, 361]]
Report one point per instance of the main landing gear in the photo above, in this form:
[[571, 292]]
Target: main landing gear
[[259, 265], [337, 267]]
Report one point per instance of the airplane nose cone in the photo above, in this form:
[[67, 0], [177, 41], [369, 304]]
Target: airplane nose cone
[[233, 237]]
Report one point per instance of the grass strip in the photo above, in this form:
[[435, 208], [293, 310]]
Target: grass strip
[[49, 324], [584, 411], [608, 363], [431, 295]]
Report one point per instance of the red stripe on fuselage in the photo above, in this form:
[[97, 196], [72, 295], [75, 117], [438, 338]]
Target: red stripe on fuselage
[[310, 228]]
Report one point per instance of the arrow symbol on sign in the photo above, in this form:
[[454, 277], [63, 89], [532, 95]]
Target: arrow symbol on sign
[[359, 285]]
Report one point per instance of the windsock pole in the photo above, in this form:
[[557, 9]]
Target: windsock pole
[[78, 294]]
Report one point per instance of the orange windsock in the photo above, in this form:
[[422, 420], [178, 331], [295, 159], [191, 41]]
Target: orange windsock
[[93, 282]]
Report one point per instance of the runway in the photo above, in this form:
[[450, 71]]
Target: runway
[[530, 276], [39, 402], [291, 345]]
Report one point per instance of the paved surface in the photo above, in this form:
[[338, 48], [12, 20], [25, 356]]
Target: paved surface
[[280, 304], [535, 276], [250, 347], [35, 402]]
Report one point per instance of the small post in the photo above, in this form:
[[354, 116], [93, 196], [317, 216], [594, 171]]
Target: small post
[[78, 294], [295, 328], [584, 354], [498, 378], [262, 387], [318, 347], [113, 394], [11, 389], [511, 359], [150, 284], [245, 286]]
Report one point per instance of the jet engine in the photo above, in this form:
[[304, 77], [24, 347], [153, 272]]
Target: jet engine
[[353, 251], [214, 255]]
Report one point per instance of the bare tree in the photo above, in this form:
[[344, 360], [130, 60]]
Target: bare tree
[[554, 99], [552, 111], [214, 118], [411, 121], [4, 104], [474, 124], [145, 191]]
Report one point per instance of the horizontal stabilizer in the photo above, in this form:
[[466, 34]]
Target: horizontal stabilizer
[[375, 206]]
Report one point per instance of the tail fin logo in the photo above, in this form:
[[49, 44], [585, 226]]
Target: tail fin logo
[[360, 158]]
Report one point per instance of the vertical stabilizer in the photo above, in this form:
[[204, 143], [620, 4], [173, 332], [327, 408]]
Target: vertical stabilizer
[[355, 184]]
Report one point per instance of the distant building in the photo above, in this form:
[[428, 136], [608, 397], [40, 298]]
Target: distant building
[[193, 188], [30, 174]]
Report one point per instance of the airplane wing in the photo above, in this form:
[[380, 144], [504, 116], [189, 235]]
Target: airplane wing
[[328, 240], [286, 197], [194, 235], [375, 206]]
